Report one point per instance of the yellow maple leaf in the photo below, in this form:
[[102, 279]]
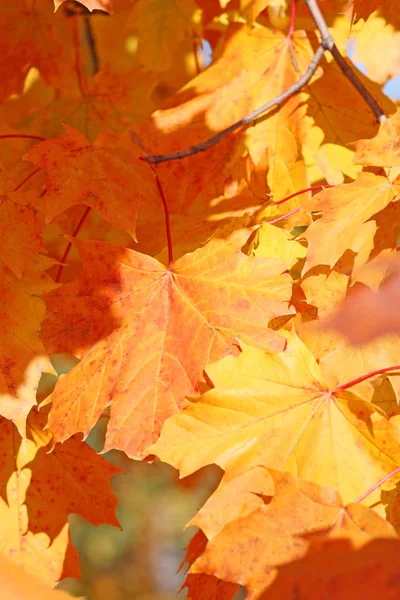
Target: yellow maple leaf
[[277, 410], [344, 223]]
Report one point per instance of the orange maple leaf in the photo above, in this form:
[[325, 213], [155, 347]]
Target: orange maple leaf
[[106, 175], [202, 586], [362, 9], [40, 490], [23, 356], [354, 574], [16, 584], [145, 332], [30, 35], [278, 531], [22, 217], [109, 103]]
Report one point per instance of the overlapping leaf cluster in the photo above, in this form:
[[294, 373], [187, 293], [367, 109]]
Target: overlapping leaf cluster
[[199, 297]]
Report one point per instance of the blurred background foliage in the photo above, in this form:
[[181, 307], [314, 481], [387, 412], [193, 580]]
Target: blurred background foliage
[[141, 560]]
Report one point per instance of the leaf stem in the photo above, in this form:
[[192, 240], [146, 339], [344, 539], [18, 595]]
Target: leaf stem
[[167, 222], [292, 19], [329, 44], [374, 487], [350, 384], [27, 179], [281, 217], [69, 245], [309, 189], [80, 74], [22, 136], [91, 44]]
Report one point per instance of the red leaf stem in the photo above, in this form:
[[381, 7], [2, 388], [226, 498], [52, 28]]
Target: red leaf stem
[[69, 245], [309, 189], [374, 487], [26, 179], [22, 136], [167, 222], [349, 384]]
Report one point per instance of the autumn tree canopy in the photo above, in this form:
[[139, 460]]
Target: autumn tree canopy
[[214, 240]]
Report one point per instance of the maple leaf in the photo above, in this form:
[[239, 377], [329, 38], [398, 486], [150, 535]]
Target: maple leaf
[[335, 119], [362, 9], [16, 583], [38, 492], [382, 150], [325, 290], [30, 35], [390, 499], [278, 532], [316, 433], [238, 495], [253, 68], [106, 175], [91, 5], [22, 217], [374, 33], [111, 103], [344, 223], [354, 574], [342, 361], [23, 356], [181, 318], [202, 586], [219, 286]]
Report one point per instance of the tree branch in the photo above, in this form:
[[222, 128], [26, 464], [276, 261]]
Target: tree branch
[[293, 89], [327, 43]]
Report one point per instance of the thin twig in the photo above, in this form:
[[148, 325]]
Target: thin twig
[[69, 245], [293, 89], [374, 487], [22, 136], [27, 178], [285, 216], [91, 42], [308, 189], [329, 44], [167, 222]]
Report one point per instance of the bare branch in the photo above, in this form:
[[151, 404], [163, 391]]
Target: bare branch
[[329, 44], [293, 89], [357, 83]]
